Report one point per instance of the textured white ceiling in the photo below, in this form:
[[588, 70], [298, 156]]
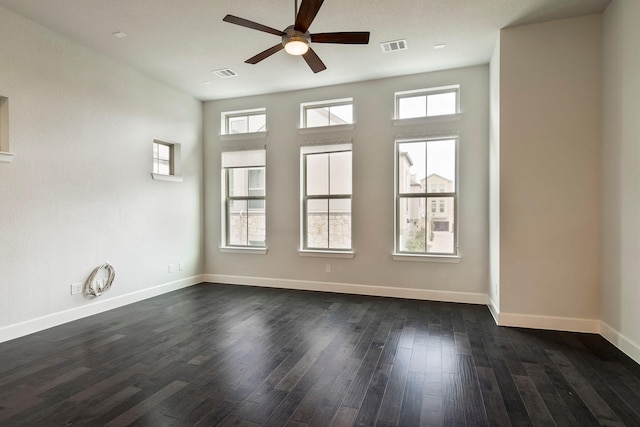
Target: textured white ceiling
[[179, 42]]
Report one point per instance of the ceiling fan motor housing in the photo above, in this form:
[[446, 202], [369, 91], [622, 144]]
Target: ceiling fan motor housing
[[293, 35]]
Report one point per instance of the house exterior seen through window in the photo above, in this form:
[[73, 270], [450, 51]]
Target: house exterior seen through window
[[326, 199], [426, 197]]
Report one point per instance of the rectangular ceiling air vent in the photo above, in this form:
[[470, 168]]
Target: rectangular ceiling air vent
[[394, 45], [224, 73]]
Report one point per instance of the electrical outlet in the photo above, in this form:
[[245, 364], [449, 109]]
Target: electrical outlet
[[327, 268], [76, 288], [171, 268], [181, 266]]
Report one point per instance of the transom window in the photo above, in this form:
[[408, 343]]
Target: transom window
[[244, 213], [327, 113], [427, 102], [326, 197], [426, 197], [163, 158], [247, 121]]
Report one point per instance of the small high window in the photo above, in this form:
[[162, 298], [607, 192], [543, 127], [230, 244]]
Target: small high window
[[428, 102], [166, 161], [327, 113], [247, 121], [5, 155]]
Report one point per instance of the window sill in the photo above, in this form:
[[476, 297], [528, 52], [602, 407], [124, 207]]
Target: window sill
[[6, 157], [238, 250], [170, 178], [325, 129], [327, 254], [242, 136], [447, 259], [427, 120]]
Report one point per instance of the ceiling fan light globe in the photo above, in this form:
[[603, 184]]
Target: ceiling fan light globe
[[296, 47]]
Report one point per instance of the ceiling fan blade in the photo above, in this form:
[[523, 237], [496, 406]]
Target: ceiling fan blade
[[265, 54], [359, 37], [250, 24], [307, 12], [314, 61]]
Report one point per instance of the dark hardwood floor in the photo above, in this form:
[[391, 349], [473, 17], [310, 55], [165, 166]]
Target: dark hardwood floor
[[230, 355]]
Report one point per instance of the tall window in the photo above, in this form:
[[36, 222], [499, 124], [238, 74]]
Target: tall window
[[326, 197], [244, 216], [327, 113], [427, 102], [247, 121], [430, 168], [162, 158]]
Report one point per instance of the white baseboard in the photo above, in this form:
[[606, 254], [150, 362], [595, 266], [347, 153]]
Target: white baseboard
[[348, 288], [625, 345], [95, 306], [553, 323], [493, 309]]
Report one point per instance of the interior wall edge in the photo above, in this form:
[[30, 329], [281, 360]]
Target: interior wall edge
[[97, 306], [624, 344], [349, 288]]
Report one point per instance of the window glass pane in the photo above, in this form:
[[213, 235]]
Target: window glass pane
[[238, 185], [441, 164], [340, 172], [441, 103], [318, 223], [256, 182], [237, 124], [411, 227], [411, 167], [256, 226], [340, 223], [317, 117], [257, 122], [341, 114], [164, 152], [237, 222], [412, 106], [317, 174], [440, 236], [164, 167]]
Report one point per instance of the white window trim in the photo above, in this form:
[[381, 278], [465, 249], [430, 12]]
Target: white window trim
[[427, 257], [326, 103], [322, 147], [426, 119], [224, 124]]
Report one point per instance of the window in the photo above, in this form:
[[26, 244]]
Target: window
[[427, 102], [247, 121], [5, 156], [244, 190], [326, 197], [327, 113], [166, 161], [162, 158], [432, 164]]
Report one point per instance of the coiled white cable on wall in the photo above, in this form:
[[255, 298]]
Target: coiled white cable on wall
[[102, 287]]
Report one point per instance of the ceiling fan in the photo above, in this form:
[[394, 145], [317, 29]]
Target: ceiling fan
[[296, 38]]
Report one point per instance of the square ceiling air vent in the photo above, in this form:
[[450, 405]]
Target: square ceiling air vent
[[394, 45], [224, 73]]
